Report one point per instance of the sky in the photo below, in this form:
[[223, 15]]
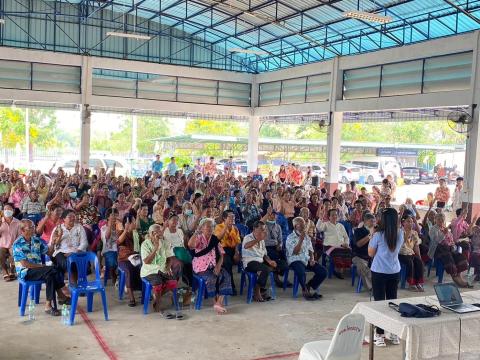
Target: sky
[[105, 123]]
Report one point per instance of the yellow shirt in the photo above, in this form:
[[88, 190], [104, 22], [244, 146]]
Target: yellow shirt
[[231, 238]]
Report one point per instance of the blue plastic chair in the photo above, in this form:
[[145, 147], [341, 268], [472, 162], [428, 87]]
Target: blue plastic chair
[[23, 290], [296, 282], [331, 265], [403, 276], [252, 282], [84, 286], [242, 229], [199, 284], [147, 293], [121, 283], [353, 271], [439, 269]]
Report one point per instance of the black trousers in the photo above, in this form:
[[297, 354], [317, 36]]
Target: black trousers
[[263, 268], [53, 279], [228, 263], [414, 268], [279, 258], [320, 273], [384, 287]]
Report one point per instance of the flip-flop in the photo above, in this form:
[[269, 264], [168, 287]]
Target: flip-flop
[[179, 316], [309, 298], [7, 278], [53, 312], [259, 300], [317, 296], [167, 315], [132, 303]]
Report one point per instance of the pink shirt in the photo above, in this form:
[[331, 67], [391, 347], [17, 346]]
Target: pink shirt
[[17, 197], [48, 229], [201, 264], [459, 226], [9, 232]]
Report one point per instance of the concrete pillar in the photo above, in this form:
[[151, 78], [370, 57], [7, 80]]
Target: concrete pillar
[[471, 198], [472, 168], [253, 136], [85, 118], [333, 151]]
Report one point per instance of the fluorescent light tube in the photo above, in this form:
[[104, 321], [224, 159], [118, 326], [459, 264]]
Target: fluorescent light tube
[[366, 16], [129, 35], [247, 51]]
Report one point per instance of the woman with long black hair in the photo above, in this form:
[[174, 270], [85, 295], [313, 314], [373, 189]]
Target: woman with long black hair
[[384, 248]]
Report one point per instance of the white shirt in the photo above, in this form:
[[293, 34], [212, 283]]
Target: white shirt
[[73, 240], [255, 253], [175, 239], [459, 196], [109, 244], [334, 234]]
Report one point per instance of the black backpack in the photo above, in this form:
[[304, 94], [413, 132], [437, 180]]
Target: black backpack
[[417, 311]]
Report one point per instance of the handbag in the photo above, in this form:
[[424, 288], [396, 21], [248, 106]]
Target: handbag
[[416, 311], [182, 254], [135, 260]]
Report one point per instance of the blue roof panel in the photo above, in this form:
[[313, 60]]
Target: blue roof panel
[[289, 32]]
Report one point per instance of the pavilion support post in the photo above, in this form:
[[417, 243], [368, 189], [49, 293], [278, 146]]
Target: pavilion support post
[[471, 196], [472, 168], [253, 137], [333, 151], [85, 118]]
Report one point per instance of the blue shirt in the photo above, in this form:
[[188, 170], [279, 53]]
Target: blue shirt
[[304, 255], [385, 261], [157, 166], [172, 169], [31, 251]]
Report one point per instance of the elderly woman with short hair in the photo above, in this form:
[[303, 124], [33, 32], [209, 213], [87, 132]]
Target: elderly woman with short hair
[[207, 263], [158, 268], [442, 247]]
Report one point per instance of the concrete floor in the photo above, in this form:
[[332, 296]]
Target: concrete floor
[[247, 332]]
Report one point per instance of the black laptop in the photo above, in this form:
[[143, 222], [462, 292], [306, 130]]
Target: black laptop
[[449, 298]]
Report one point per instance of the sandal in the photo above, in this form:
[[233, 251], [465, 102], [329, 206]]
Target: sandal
[[132, 303], [7, 278], [260, 300], [167, 315], [179, 316], [13, 277], [413, 288], [53, 312]]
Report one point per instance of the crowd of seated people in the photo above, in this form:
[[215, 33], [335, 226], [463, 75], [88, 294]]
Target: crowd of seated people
[[176, 224]]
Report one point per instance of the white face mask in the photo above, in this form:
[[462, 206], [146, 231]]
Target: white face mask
[[8, 213]]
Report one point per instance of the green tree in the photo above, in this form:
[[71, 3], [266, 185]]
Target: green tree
[[43, 128], [120, 141]]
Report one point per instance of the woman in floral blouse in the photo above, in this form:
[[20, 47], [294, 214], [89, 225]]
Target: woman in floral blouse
[[410, 255], [207, 263]]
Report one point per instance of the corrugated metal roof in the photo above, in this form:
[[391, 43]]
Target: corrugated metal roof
[[279, 30]]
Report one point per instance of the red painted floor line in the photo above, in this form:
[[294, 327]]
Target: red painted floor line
[[101, 341], [279, 356]]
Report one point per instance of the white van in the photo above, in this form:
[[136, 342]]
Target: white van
[[376, 168]]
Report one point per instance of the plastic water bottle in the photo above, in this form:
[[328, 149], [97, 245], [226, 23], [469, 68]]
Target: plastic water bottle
[[180, 293], [67, 316], [470, 275], [31, 310], [64, 314], [192, 301]]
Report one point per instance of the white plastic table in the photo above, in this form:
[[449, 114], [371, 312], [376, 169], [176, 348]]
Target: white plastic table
[[445, 337]]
